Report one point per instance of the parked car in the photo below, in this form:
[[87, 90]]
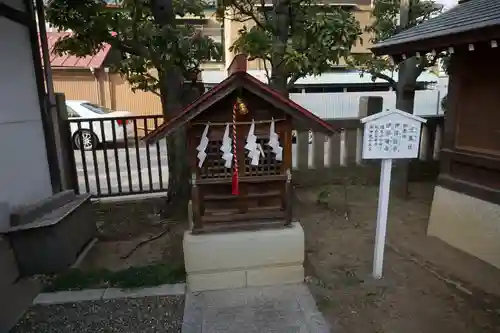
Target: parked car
[[91, 137]]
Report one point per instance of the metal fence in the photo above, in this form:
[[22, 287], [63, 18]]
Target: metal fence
[[119, 163], [111, 159]]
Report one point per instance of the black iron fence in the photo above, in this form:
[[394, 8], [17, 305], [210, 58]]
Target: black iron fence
[[111, 159]]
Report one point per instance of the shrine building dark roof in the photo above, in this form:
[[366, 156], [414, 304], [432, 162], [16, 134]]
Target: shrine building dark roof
[[469, 22]]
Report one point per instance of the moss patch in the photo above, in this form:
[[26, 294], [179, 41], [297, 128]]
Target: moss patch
[[133, 277]]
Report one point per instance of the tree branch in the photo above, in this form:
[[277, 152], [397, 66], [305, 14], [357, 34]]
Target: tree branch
[[155, 92], [135, 18], [249, 12], [293, 79], [425, 63], [266, 68], [383, 76], [264, 10]]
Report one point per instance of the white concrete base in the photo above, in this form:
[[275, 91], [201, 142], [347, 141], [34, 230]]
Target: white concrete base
[[467, 223], [244, 259]]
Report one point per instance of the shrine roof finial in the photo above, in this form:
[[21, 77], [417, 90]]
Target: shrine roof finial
[[239, 64]]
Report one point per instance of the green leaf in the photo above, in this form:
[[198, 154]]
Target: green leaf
[[144, 48], [385, 16], [296, 38]]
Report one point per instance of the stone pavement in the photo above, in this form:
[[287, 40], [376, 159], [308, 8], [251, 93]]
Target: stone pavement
[[277, 309]]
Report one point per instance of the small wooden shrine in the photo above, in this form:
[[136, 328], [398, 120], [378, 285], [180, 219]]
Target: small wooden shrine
[[240, 151]]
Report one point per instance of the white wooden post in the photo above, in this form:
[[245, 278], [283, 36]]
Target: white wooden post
[[437, 142], [424, 147], [388, 135], [383, 207]]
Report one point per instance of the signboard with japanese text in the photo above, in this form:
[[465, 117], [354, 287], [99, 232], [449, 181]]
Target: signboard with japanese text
[[391, 135], [388, 135]]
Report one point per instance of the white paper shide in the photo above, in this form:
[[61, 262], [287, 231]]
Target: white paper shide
[[274, 142], [226, 147], [254, 149], [202, 147]]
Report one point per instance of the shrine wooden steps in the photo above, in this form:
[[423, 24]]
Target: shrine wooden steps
[[242, 179], [252, 214], [242, 225], [217, 197]]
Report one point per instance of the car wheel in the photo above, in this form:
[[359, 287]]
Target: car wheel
[[85, 138]]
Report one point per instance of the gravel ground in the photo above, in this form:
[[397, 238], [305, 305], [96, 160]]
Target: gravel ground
[[140, 315]]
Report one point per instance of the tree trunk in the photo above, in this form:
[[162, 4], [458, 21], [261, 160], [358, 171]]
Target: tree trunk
[[278, 82], [178, 175], [171, 91], [404, 102], [281, 21], [405, 99], [178, 193]]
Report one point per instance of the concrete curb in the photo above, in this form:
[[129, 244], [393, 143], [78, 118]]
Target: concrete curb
[[61, 297]]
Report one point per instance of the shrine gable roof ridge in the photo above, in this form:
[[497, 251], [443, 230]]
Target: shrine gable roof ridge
[[238, 78]]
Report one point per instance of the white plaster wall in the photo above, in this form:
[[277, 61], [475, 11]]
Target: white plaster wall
[[469, 224], [24, 170]]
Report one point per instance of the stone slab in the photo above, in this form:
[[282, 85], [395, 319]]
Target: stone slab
[[163, 290], [244, 258], [61, 297], [275, 275], [216, 281], [284, 308], [244, 249]]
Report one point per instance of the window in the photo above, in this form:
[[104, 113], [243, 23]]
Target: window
[[96, 109], [323, 89], [72, 113], [370, 87]]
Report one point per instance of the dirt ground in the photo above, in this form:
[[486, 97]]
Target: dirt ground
[[427, 286], [124, 231], [416, 294]]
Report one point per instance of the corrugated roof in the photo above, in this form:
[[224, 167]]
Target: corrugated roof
[[465, 17], [342, 78], [70, 61]]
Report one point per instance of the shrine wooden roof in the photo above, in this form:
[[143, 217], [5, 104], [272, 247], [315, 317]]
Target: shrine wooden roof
[[469, 22], [237, 80]]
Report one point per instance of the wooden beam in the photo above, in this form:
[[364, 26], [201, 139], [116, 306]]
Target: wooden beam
[[468, 188], [474, 159], [441, 43]]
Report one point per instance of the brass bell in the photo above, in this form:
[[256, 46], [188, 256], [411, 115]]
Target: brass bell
[[241, 106]]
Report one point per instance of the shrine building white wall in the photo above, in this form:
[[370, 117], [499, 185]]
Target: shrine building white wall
[[24, 170]]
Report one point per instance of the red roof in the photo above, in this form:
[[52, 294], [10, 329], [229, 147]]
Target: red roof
[[192, 110], [70, 61]]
